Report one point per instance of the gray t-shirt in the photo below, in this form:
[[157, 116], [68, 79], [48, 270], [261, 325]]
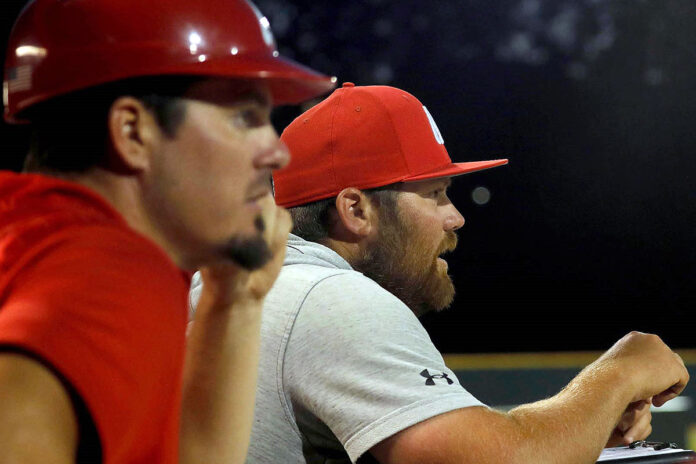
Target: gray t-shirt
[[344, 364]]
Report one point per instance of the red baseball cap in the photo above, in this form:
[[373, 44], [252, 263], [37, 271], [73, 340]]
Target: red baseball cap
[[363, 137]]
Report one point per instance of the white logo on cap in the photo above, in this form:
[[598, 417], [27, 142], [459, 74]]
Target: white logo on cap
[[433, 126]]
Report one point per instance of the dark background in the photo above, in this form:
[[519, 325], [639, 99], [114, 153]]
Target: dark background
[[589, 231]]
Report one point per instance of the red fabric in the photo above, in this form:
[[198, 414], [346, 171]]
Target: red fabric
[[101, 304]]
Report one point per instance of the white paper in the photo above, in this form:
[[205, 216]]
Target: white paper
[[624, 452]]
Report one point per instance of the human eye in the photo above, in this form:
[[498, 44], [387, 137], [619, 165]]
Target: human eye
[[437, 193], [249, 118]]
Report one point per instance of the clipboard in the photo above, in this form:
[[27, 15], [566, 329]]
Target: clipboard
[[642, 452]]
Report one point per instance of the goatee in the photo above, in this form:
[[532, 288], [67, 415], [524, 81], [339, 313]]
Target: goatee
[[249, 253]]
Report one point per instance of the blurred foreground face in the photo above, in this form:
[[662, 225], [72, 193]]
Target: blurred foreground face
[[405, 257], [207, 182]]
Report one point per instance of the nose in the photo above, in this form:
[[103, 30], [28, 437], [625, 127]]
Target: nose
[[275, 156], [283, 155], [453, 218]]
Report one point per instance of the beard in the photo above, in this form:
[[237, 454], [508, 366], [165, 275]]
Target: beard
[[249, 253], [406, 267]]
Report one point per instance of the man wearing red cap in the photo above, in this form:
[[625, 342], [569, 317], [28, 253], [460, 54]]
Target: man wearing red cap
[[146, 120], [347, 372]]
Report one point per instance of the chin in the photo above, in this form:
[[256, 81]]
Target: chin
[[439, 288], [249, 253]]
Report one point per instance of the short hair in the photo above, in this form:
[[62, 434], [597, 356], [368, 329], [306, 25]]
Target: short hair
[[70, 132], [313, 221]]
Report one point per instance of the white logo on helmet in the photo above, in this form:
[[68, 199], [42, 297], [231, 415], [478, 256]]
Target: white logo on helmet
[[433, 126], [265, 26]]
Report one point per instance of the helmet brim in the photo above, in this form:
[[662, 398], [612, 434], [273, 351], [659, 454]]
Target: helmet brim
[[289, 82]]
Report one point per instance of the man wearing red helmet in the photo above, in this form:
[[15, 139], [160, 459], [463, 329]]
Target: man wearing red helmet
[[347, 372], [146, 121]]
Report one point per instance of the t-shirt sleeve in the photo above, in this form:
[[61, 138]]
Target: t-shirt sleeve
[[106, 310], [361, 362]]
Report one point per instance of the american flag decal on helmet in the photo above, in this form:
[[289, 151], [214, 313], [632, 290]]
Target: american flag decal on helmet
[[19, 78]]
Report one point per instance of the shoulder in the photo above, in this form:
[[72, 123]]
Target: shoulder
[[309, 291], [46, 220], [99, 252], [92, 272], [330, 284], [350, 294], [104, 269], [87, 296], [347, 313]]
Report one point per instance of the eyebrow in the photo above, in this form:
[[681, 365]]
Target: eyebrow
[[245, 97], [253, 96]]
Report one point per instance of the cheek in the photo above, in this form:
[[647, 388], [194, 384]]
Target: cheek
[[207, 185], [426, 228], [220, 170]]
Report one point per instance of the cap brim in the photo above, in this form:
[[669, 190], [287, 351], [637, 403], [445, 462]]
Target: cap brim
[[457, 169]]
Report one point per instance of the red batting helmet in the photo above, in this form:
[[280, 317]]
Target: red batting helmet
[[59, 46]]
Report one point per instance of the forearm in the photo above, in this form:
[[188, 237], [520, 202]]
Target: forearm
[[569, 428], [574, 425], [220, 382]]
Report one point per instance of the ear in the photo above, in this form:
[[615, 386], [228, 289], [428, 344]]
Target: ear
[[132, 131], [356, 213]]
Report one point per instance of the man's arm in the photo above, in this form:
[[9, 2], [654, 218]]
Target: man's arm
[[571, 427], [37, 420], [222, 354]]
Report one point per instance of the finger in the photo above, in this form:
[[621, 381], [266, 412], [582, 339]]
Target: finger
[[683, 376], [675, 389], [665, 396], [616, 439], [641, 427], [283, 221], [632, 414], [671, 393], [214, 275], [268, 215], [641, 407], [640, 430], [283, 225], [626, 421]]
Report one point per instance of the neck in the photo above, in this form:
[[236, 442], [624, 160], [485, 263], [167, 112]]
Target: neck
[[124, 194], [347, 250]]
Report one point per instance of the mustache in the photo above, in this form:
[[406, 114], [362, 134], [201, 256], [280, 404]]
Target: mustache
[[449, 243], [262, 185]]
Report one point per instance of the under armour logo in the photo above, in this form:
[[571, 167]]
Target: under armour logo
[[430, 378]]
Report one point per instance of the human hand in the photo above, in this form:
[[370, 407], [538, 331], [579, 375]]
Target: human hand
[[633, 425], [226, 283], [652, 369]]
